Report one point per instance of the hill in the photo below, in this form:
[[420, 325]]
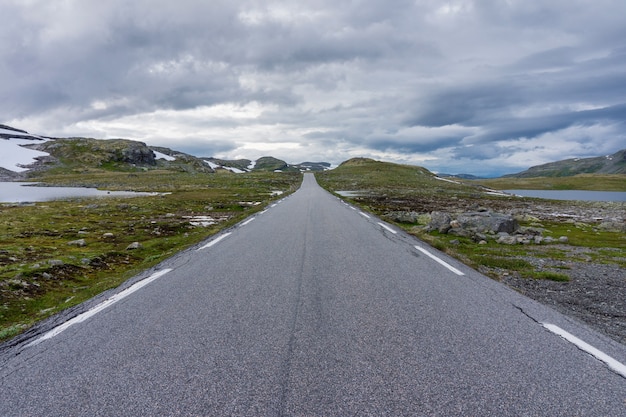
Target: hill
[[610, 164], [266, 163], [23, 154]]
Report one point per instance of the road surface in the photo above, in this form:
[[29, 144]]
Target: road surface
[[312, 308]]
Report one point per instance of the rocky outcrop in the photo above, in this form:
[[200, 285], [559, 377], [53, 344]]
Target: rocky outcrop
[[482, 226]]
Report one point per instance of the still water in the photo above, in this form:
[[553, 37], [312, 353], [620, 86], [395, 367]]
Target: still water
[[572, 195], [23, 192]]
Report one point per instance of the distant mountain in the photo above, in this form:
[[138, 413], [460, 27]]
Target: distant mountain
[[266, 163], [610, 164], [460, 176]]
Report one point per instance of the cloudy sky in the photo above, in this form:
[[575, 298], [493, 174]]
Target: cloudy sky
[[484, 87]]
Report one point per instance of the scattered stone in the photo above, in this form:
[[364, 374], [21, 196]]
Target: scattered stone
[[80, 243], [134, 246], [482, 242], [46, 275], [55, 262], [563, 239], [611, 226], [108, 236], [507, 240]]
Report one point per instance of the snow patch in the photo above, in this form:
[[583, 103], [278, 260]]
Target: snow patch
[[13, 155], [201, 221], [159, 155], [447, 180]]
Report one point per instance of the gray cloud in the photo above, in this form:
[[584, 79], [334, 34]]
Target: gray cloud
[[445, 84]]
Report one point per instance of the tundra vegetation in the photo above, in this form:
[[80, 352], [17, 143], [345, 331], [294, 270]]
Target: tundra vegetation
[[56, 254]]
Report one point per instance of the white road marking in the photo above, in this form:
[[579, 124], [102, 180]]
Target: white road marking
[[441, 262], [353, 208], [247, 221], [384, 226], [107, 303], [616, 366], [274, 205], [364, 215], [214, 241]]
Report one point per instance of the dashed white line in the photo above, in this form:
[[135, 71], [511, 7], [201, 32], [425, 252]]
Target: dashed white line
[[214, 241], [613, 364], [107, 303], [441, 262], [247, 221], [364, 215], [274, 205], [384, 226]]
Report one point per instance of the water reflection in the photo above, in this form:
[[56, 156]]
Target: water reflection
[[26, 192]]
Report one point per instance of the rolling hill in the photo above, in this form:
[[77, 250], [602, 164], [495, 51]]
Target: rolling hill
[[609, 164]]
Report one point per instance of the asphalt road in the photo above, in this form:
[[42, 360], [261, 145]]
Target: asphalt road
[[312, 308]]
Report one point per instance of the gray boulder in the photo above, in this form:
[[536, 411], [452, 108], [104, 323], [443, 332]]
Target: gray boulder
[[485, 221], [440, 221]]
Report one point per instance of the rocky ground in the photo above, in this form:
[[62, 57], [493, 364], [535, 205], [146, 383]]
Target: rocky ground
[[595, 292]]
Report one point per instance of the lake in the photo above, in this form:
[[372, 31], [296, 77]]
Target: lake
[[582, 195], [26, 192]]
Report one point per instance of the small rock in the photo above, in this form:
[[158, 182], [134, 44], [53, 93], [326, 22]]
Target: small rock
[[538, 240], [134, 246], [455, 242], [482, 242], [507, 240], [563, 239], [46, 275], [55, 262], [80, 243], [108, 236]]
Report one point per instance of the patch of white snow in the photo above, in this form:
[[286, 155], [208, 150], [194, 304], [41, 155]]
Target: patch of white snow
[[14, 157], [159, 155], [447, 180], [212, 164]]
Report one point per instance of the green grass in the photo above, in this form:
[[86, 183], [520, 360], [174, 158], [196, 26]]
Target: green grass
[[592, 182], [33, 235]]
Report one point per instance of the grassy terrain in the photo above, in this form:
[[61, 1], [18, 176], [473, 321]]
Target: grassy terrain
[[385, 188], [41, 272], [595, 182]]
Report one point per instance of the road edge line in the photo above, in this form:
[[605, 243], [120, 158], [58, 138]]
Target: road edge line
[[612, 363]]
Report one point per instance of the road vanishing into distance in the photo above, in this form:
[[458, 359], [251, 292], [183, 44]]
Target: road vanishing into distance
[[312, 308]]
